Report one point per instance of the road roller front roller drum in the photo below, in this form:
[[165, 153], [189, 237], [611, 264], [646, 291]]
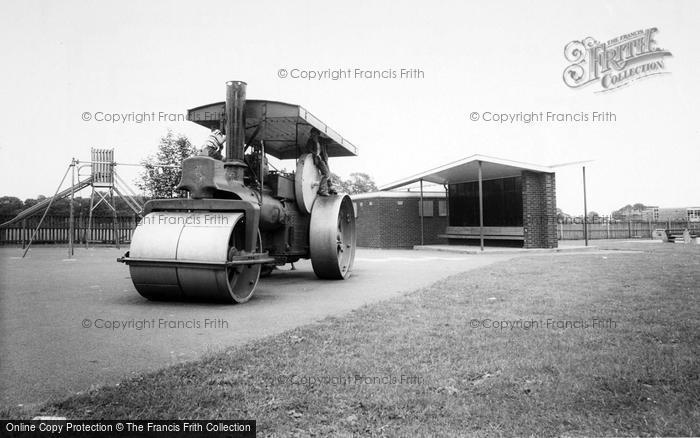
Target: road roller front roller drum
[[192, 256]]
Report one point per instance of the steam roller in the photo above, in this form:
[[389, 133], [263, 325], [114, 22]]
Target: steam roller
[[240, 218]]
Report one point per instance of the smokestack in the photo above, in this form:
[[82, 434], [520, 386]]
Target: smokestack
[[235, 123]]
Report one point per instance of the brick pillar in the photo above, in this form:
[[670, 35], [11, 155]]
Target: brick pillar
[[539, 210], [550, 211]]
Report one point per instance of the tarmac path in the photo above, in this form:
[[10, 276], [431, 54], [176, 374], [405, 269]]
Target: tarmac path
[[69, 324]]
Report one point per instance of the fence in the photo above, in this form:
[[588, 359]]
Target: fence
[[56, 229], [622, 230]]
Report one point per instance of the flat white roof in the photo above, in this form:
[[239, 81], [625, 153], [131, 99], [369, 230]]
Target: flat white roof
[[467, 170]]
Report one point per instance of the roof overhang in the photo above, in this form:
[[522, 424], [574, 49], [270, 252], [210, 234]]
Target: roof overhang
[[284, 127], [467, 170]]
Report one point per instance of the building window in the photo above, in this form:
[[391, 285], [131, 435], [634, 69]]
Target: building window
[[354, 207], [399, 202], [502, 198], [427, 207], [694, 214], [442, 208]]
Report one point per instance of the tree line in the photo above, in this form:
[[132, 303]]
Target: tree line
[[12, 206]]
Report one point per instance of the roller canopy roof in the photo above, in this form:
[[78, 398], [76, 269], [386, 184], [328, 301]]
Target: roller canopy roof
[[285, 127], [467, 169]]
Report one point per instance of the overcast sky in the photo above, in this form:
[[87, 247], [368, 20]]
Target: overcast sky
[[61, 59]]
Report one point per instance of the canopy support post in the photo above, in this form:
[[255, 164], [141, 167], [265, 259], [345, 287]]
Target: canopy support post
[[422, 214], [585, 209], [481, 209]]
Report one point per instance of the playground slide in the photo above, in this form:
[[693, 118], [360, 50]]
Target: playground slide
[[42, 204]]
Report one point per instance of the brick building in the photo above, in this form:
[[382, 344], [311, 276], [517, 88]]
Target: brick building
[[487, 201], [393, 219], [679, 214], [662, 214]]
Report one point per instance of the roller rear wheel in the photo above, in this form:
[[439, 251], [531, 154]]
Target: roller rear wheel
[[332, 237]]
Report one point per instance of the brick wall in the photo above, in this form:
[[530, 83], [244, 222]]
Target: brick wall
[[395, 222], [539, 210]]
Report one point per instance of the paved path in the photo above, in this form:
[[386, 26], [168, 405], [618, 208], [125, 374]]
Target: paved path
[[45, 352]]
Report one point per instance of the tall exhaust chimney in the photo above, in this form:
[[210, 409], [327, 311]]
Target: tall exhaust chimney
[[235, 128]]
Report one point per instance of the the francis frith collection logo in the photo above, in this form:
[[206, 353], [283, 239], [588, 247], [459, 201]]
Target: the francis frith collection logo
[[616, 62]]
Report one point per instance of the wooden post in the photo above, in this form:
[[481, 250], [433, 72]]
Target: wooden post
[[89, 225], [24, 233], [114, 218], [481, 209], [81, 225]]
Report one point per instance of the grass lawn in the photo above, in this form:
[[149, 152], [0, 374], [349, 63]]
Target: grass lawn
[[480, 353]]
